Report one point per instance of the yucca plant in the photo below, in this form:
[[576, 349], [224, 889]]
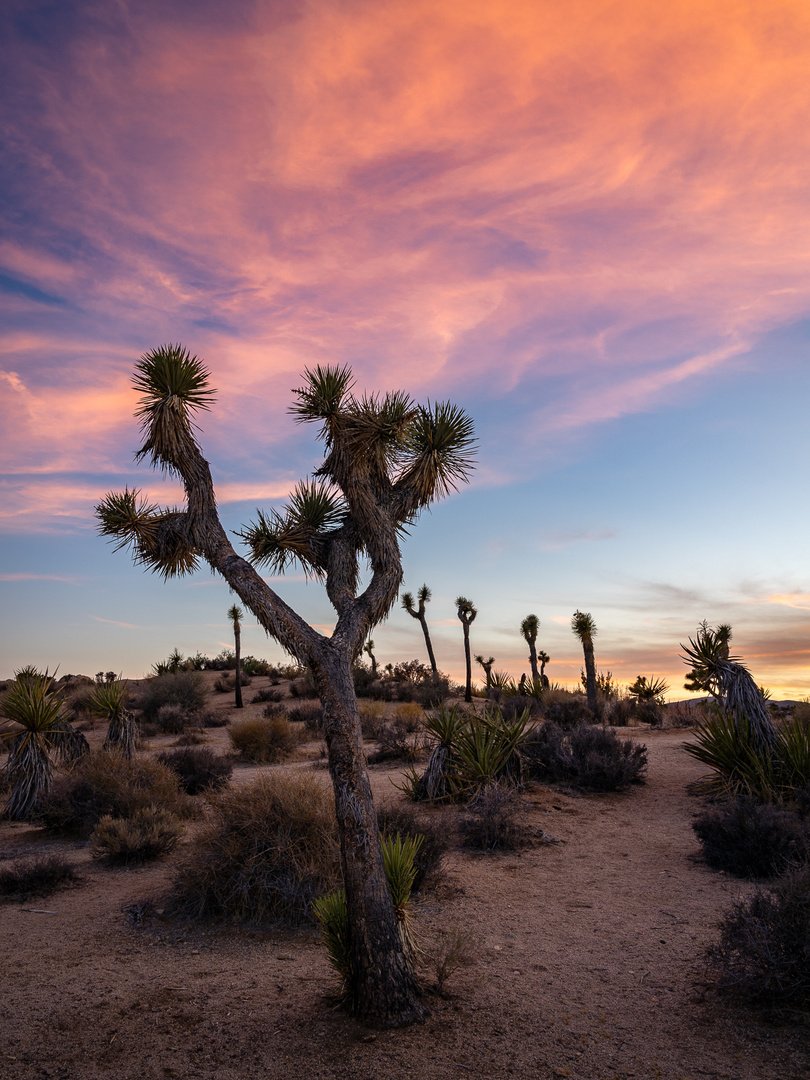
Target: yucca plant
[[729, 747], [109, 701], [331, 911], [487, 751], [444, 725], [793, 750], [46, 736]]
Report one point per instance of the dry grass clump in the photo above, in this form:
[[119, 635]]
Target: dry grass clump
[[751, 839], [106, 783], [36, 877], [308, 713], [264, 739], [410, 714], [148, 834], [372, 718], [268, 693], [269, 850], [198, 768], [763, 956], [447, 952], [227, 683]]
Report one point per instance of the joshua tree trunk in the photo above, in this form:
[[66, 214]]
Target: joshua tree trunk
[[419, 613], [237, 643], [533, 662], [428, 643], [466, 613], [584, 627]]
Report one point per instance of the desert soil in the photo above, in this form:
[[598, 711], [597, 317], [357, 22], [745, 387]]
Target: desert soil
[[587, 964]]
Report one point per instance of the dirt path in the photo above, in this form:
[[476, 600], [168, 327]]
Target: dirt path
[[588, 967]]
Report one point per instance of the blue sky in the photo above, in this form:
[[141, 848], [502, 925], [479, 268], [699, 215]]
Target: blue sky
[[588, 228]]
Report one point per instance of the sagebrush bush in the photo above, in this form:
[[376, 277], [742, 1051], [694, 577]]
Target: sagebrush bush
[[411, 714], [566, 710], [491, 820], [763, 956], [436, 829], [227, 683], [751, 839], [212, 718], [587, 756], [264, 740], [184, 688], [395, 742], [105, 783], [149, 833], [372, 718], [308, 713], [198, 768], [268, 693], [270, 848], [36, 877], [170, 720]]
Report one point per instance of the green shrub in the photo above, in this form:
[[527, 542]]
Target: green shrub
[[36, 877], [589, 757], [198, 769], [436, 830], [148, 834], [751, 839], [265, 739], [185, 689], [270, 848], [105, 783], [763, 956]]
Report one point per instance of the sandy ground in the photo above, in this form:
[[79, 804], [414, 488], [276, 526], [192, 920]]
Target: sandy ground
[[588, 964]]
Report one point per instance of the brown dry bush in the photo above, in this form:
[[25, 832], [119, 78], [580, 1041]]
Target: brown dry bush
[[264, 740], [396, 743], [198, 769], [372, 718], [411, 714], [185, 689], [752, 839], [148, 834], [492, 820], [106, 783], [308, 713], [268, 693], [269, 850], [227, 683], [36, 877]]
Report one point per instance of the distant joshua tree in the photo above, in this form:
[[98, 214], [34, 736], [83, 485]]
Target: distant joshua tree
[[235, 613], [487, 666], [529, 628], [466, 612], [369, 648], [585, 629], [544, 658], [423, 596]]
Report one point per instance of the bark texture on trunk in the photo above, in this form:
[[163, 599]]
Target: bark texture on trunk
[[590, 675], [383, 991], [237, 635], [533, 661], [468, 688]]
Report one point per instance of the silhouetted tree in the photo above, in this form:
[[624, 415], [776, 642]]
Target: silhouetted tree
[[387, 459], [423, 596], [487, 666], [585, 628], [235, 613], [467, 613]]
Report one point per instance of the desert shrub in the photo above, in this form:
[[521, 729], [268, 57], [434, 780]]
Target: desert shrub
[[79, 701], [169, 720], [395, 742], [227, 683], [198, 769], [589, 757], [275, 709], [436, 831], [516, 705], [490, 821], [567, 710], [621, 711], [372, 718], [36, 877], [752, 839], [269, 850], [148, 834], [447, 952], [683, 714], [267, 693], [411, 714], [252, 665], [429, 692], [183, 688], [265, 739], [105, 783], [304, 687], [308, 713], [362, 677], [763, 956], [190, 738], [212, 718]]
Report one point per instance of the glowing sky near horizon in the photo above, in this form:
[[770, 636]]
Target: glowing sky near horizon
[[588, 224]]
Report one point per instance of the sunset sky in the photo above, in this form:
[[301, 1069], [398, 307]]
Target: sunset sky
[[586, 223]]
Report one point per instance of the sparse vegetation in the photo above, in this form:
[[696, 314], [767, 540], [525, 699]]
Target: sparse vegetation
[[184, 689], [269, 850], [198, 769], [589, 757], [40, 876], [491, 821], [751, 839], [149, 833], [264, 740]]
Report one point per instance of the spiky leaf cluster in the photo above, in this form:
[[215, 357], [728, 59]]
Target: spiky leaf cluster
[[276, 540], [172, 384], [151, 533]]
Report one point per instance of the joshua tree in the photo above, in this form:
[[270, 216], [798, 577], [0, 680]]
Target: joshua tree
[[730, 683], [33, 704], [386, 460], [109, 700], [235, 613], [585, 628], [467, 613], [544, 658], [369, 648], [529, 628], [487, 666], [423, 596]]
